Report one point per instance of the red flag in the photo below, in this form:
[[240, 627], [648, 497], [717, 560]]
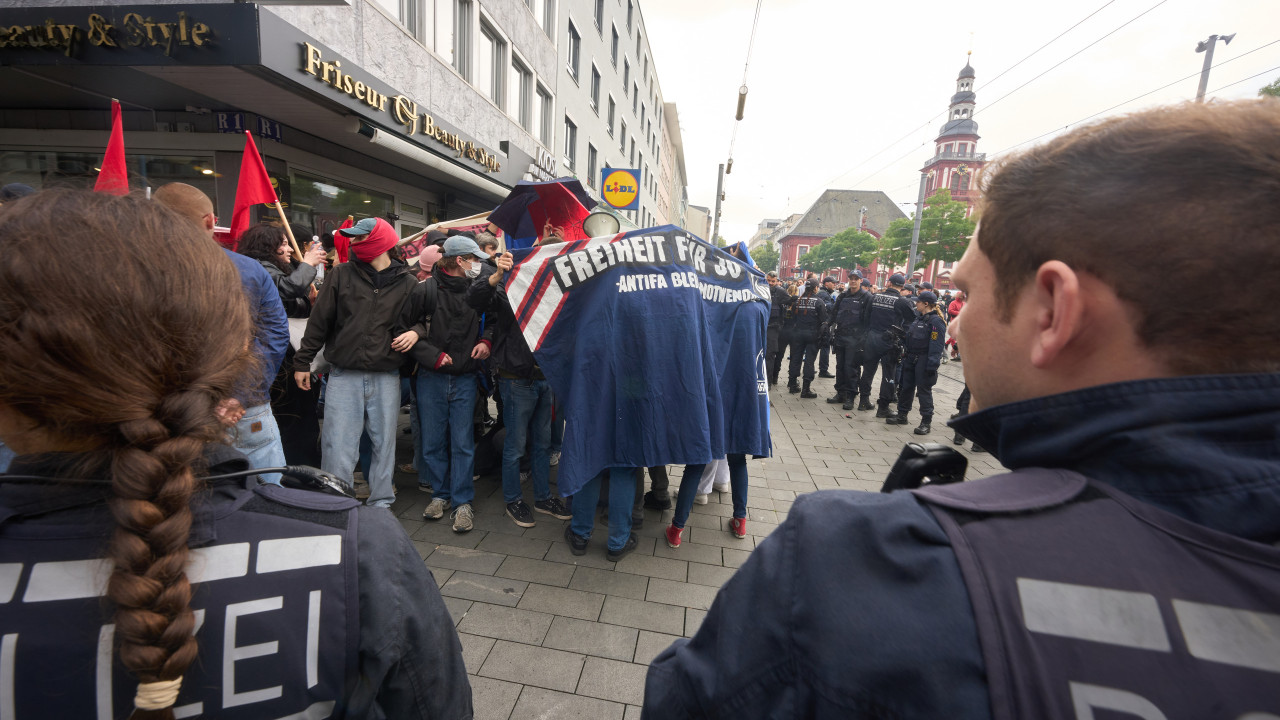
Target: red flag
[[114, 176], [254, 188], [342, 243]]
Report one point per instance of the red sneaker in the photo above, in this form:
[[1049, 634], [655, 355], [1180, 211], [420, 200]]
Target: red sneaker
[[738, 526], [673, 536]]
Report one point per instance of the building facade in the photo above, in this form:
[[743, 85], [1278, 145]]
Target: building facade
[[698, 221], [833, 212], [410, 110]]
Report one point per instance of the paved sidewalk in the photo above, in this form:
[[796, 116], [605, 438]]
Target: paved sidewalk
[[546, 634]]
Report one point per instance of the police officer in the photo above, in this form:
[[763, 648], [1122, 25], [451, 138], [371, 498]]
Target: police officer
[[888, 310], [924, 344], [810, 319], [828, 295], [141, 586], [852, 313], [781, 302]]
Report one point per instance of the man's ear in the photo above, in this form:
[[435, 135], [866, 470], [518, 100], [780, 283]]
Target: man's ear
[[209, 221], [1059, 312]]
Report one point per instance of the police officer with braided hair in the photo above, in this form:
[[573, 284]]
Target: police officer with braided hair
[[889, 312], [146, 572], [923, 347], [851, 315]]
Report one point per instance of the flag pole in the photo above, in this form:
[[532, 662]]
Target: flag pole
[[289, 231]]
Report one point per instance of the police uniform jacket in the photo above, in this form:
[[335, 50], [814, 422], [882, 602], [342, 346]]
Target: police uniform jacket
[[308, 605], [851, 313], [926, 336], [810, 315], [893, 634]]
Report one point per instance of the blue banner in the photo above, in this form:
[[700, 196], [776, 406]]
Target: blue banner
[[653, 342]]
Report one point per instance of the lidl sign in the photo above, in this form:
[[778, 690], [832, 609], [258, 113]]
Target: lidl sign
[[621, 188]]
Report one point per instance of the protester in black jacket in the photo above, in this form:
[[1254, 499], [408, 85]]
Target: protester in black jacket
[[357, 320], [810, 313]]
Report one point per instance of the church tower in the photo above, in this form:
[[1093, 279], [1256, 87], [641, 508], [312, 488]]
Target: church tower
[[954, 164], [956, 159]]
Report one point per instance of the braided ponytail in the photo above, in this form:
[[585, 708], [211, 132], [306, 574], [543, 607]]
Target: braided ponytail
[[125, 364]]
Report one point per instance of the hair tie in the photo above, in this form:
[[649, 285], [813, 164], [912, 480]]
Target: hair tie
[[157, 695]]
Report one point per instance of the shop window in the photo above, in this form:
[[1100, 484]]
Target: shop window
[[575, 50], [570, 143], [324, 203], [595, 89], [45, 169], [491, 60], [520, 94]]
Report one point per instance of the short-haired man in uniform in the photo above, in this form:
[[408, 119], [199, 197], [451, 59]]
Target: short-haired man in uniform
[[851, 314], [888, 310], [1129, 566], [923, 356]]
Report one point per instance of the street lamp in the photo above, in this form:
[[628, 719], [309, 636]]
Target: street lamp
[[915, 229], [1206, 47]]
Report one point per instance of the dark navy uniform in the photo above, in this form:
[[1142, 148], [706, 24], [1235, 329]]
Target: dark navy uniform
[[779, 307], [852, 313], [810, 315], [924, 343], [824, 352], [306, 605], [888, 309]]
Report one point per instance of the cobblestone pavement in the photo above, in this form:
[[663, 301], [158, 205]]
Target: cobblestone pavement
[[549, 635]]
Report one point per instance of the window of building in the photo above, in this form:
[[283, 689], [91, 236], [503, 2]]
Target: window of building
[[600, 17], [575, 49], [570, 143], [643, 108], [520, 94], [633, 152], [630, 8], [622, 137], [646, 69], [638, 39], [462, 39], [595, 89], [635, 98], [612, 111], [613, 46], [955, 182], [490, 62], [592, 167], [543, 119], [626, 74], [549, 17], [801, 250]]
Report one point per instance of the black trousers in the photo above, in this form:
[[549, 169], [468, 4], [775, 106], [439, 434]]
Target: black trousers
[[824, 358], [804, 348], [848, 364], [876, 356], [773, 352], [962, 402], [917, 379]]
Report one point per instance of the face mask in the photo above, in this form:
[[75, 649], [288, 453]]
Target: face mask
[[474, 270]]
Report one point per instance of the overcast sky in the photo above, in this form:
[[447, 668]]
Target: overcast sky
[[835, 85]]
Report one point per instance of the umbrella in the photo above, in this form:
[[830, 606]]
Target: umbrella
[[531, 204]]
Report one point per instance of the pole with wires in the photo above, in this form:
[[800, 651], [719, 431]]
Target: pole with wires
[[915, 229], [715, 233]]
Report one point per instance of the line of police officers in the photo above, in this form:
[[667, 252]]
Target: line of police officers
[[869, 330]]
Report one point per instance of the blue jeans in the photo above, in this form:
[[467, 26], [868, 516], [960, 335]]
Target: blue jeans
[[689, 488], [358, 402], [621, 497], [448, 450], [526, 413], [258, 437]]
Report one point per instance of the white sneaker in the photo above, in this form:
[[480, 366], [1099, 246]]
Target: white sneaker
[[721, 488], [700, 499], [436, 509], [555, 458], [462, 519]]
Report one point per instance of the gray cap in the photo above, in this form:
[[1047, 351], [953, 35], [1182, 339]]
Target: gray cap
[[364, 227], [462, 245]]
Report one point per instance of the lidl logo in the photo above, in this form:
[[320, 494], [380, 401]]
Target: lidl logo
[[621, 188]]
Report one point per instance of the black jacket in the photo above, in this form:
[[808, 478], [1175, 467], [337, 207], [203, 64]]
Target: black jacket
[[780, 302], [450, 325], [852, 313], [293, 288], [810, 315], [511, 354], [357, 316]]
